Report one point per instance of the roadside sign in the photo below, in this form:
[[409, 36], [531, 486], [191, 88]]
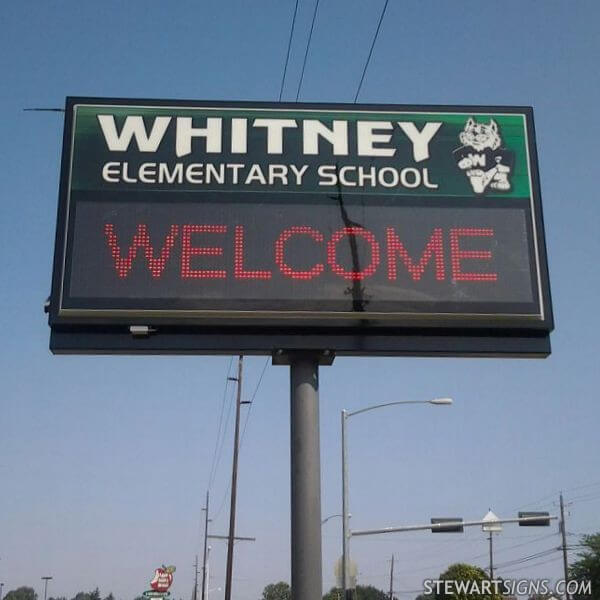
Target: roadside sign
[[491, 523], [363, 229]]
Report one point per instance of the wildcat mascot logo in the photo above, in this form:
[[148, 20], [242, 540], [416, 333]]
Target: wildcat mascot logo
[[483, 159]]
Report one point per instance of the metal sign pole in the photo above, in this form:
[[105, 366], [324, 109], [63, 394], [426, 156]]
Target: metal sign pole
[[345, 523], [305, 478]]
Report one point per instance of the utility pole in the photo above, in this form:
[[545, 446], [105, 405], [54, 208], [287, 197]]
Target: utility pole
[[491, 555], [207, 574], [195, 592], [46, 579], [563, 531], [392, 579], [205, 509], [236, 448]]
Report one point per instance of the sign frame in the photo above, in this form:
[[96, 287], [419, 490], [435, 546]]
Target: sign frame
[[262, 333]]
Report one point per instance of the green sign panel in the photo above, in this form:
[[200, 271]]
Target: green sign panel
[[274, 151]]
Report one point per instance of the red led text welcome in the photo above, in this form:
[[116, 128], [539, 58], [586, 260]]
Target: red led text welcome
[[234, 251]]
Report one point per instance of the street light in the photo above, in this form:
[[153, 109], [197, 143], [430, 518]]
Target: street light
[[345, 515], [46, 579], [331, 517]]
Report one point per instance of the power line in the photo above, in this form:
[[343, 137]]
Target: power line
[[471, 558], [524, 559], [535, 541], [312, 25], [581, 487], [214, 462], [544, 562], [371, 50], [553, 494], [584, 498], [214, 459], [222, 503], [225, 427], [252, 399], [535, 502], [212, 466], [287, 58]]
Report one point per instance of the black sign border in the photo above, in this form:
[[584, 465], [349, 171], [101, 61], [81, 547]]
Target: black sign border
[[459, 336]]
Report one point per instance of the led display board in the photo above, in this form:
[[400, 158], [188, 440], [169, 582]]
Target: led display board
[[362, 229]]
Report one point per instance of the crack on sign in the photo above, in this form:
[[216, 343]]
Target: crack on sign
[[360, 299]]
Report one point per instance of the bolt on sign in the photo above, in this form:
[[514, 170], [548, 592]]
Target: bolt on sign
[[250, 227]]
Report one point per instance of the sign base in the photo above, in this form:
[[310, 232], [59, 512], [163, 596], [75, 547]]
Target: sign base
[[260, 341]]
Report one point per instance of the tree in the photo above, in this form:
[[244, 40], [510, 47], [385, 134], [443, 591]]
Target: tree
[[93, 595], [362, 592], [277, 591], [368, 592], [587, 566], [467, 573], [22, 593]]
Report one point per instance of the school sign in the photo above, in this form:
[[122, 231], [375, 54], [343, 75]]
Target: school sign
[[251, 227]]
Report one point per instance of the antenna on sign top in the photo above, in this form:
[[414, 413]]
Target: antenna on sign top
[[44, 110]]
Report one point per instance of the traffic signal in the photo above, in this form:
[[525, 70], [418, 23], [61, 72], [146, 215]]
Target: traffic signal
[[454, 528], [542, 520]]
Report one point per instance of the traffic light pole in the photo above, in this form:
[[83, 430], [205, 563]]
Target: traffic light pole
[[437, 526]]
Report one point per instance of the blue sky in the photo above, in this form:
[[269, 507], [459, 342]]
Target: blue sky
[[104, 461]]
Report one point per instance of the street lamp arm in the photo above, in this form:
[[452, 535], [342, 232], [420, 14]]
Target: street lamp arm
[[346, 533], [330, 517], [368, 408]]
